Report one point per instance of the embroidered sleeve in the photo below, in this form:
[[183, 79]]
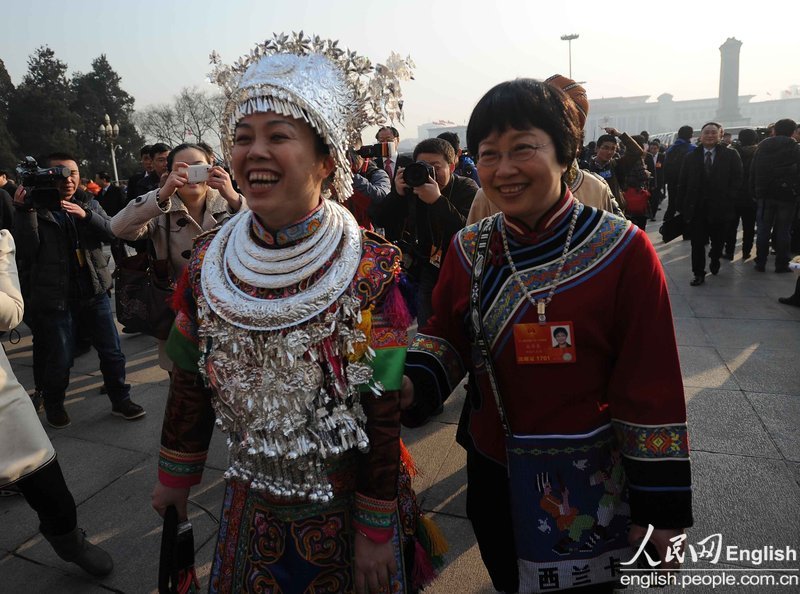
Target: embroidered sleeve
[[186, 431], [647, 401], [436, 359], [189, 415], [385, 317], [373, 517]]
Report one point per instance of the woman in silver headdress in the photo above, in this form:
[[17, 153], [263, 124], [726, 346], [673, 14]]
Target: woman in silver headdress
[[291, 331]]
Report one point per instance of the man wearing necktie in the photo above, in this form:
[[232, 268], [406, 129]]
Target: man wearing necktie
[[710, 179], [388, 164]]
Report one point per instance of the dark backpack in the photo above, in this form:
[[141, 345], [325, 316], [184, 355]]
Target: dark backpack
[[785, 183]]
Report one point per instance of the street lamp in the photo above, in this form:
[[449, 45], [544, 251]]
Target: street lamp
[[110, 133], [568, 39]]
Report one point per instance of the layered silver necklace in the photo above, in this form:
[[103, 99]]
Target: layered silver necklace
[[541, 304], [285, 391]]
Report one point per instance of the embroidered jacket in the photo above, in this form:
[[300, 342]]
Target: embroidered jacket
[[614, 293], [190, 415]]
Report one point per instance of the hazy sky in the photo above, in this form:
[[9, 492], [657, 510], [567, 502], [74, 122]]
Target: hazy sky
[[460, 48]]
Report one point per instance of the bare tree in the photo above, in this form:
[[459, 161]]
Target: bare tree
[[193, 116]]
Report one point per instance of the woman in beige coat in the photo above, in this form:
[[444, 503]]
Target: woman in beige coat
[[175, 214], [27, 458]]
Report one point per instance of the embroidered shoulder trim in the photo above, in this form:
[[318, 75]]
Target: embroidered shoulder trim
[[380, 262]]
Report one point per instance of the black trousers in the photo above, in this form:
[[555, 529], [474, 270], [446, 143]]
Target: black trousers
[[747, 214], [47, 493], [489, 511], [703, 229]]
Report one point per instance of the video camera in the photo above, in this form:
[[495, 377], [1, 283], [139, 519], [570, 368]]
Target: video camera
[[41, 184], [416, 174]]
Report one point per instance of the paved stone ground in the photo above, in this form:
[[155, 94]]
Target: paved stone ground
[[738, 350]]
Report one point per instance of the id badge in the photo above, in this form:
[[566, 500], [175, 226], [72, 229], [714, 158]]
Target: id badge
[[541, 344]]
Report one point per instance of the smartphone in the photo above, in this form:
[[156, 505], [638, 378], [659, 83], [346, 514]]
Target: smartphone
[[197, 173]]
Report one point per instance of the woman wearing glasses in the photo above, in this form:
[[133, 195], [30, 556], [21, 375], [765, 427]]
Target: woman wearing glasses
[[572, 454]]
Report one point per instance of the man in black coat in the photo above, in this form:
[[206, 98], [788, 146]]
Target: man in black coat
[[673, 161], [423, 219], [776, 180], [66, 283], [147, 169], [709, 184], [113, 200]]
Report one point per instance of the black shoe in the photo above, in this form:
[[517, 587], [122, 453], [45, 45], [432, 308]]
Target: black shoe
[[128, 410], [780, 269], [714, 266], [697, 281], [745, 256], [728, 256], [793, 300], [760, 267], [10, 491], [58, 419], [74, 547]]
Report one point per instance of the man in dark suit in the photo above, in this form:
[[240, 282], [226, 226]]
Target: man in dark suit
[[147, 166], [112, 199], [110, 196], [709, 183], [656, 167]]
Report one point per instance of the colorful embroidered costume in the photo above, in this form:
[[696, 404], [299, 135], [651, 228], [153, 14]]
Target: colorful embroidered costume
[[309, 400], [605, 434]]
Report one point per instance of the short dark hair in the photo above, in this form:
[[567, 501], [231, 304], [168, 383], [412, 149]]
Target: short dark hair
[[392, 129], [145, 150], [104, 175], [452, 138], [187, 145], [524, 103], [748, 137], [436, 146], [606, 138], [685, 132], [159, 147], [61, 156], [640, 140], [785, 127], [560, 330], [717, 125]]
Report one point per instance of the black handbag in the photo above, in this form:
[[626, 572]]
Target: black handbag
[[143, 290], [176, 573], [672, 228]]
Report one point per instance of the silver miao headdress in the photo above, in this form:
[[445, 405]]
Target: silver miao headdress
[[336, 91]]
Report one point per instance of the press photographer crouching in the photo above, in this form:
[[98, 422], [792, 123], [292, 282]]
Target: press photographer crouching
[[65, 281], [428, 205]]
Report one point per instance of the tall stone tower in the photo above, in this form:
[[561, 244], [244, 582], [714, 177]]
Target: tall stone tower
[[728, 110]]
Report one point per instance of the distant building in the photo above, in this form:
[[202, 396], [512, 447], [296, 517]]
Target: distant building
[[633, 114]]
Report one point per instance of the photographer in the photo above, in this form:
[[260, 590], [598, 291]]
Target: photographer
[[371, 185], [66, 283], [421, 214]]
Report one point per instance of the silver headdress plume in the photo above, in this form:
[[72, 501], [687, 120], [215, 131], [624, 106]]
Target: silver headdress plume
[[336, 91]]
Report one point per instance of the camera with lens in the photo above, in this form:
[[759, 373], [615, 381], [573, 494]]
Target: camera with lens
[[416, 174], [41, 184], [376, 151]]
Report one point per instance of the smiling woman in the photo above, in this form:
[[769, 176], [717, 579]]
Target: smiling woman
[[293, 318], [549, 306]]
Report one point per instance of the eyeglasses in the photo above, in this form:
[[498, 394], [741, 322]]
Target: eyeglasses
[[523, 152]]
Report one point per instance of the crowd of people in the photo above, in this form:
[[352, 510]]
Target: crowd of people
[[297, 277]]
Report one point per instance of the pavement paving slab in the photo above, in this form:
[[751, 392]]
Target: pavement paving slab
[[702, 367], [760, 369], [724, 421], [780, 413]]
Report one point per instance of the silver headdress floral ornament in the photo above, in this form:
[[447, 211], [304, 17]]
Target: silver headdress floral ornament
[[336, 91]]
